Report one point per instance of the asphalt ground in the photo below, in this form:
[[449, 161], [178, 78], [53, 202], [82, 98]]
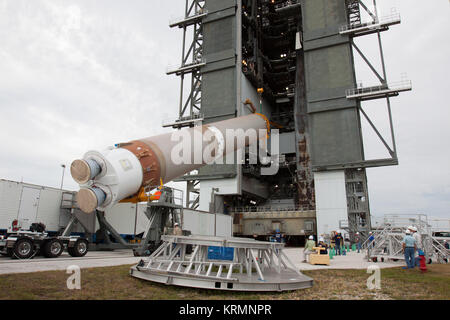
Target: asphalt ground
[[91, 260]]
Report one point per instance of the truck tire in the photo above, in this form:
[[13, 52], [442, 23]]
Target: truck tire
[[23, 249], [79, 249], [53, 248]]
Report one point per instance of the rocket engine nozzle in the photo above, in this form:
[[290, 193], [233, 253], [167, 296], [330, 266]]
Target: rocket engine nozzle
[[90, 199], [84, 170]]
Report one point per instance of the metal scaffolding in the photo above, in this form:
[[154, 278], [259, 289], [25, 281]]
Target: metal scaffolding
[[357, 194], [251, 265], [191, 63], [384, 90], [388, 239]]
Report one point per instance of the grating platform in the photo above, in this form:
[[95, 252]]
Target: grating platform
[[252, 266]]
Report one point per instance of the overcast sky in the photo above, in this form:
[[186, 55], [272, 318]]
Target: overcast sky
[[77, 75]]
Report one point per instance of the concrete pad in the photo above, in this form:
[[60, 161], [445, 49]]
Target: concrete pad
[[92, 259], [352, 260]]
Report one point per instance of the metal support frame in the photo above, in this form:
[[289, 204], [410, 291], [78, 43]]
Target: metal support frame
[[389, 236], [106, 229], [383, 91], [192, 188], [168, 206], [357, 28], [256, 265], [356, 180], [191, 63], [158, 214]]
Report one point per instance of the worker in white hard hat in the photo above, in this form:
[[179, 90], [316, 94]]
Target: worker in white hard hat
[[309, 248], [177, 230], [322, 244], [409, 247], [358, 241], [418, 238]]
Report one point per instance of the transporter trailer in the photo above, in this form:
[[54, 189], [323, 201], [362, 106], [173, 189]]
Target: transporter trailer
[[25, 244]]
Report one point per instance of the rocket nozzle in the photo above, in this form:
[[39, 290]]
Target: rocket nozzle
[[84, 170], [89, 199]]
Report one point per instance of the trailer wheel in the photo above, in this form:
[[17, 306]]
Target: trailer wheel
[[79, 249], [23, 249], [53, 248]]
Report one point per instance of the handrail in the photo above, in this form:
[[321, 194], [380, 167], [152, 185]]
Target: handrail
[[175, 121], [393, 86], [268, 209], [385, 20]]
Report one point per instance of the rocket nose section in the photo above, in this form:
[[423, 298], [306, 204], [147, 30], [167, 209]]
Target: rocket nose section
[[89, 199]]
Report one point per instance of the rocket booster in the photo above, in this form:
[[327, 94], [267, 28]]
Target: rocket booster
[[109, 176]]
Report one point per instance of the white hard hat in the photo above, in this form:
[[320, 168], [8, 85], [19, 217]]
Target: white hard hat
[[321, 239], [414, 229], [408, 231], [370, 232], [176, 224], [357, 233], [410, 228], [311, 238]]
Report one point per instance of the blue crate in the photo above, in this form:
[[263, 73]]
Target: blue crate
[[220, 253]]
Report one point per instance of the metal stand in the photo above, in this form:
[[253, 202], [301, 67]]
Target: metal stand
[[158, 214], [389, 237], [255, 265], [106, 230]]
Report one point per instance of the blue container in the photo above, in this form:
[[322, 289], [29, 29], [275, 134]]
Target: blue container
[[220, 253]]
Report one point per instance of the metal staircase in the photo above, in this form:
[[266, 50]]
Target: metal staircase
[[388, 239]]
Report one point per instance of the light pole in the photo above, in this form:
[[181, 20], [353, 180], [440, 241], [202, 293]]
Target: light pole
[[62, 180]]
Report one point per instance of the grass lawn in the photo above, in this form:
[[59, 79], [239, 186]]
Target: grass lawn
[[116, 283]]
